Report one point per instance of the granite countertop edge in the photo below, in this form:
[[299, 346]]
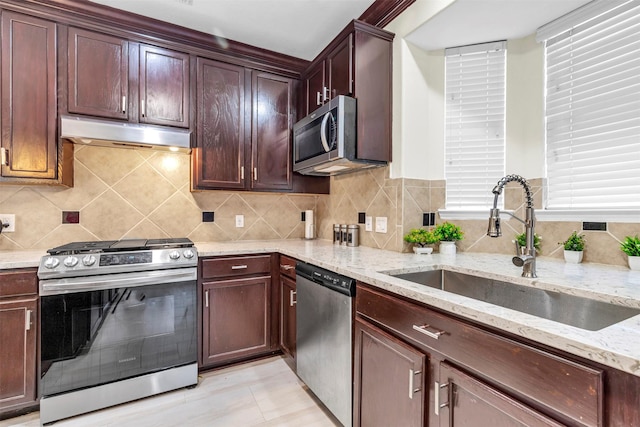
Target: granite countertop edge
[[617, 346]]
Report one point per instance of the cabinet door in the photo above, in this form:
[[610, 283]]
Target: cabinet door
[[98, 74], [236, 319], [28, 97], [220, 126], [288, 316], [464, 401], [271, 132], [389, 380], [164, 87], [315, 91], [18, 351], [340, 69]]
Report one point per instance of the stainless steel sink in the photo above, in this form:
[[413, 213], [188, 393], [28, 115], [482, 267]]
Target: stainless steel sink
[[571, 310]]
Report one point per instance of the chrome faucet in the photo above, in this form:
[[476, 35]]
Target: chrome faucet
[[526, 260]]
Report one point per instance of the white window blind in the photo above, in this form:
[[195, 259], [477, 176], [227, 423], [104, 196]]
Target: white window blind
[[475, 124], [593, 109]]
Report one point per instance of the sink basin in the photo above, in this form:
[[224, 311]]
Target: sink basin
[[571, 310]]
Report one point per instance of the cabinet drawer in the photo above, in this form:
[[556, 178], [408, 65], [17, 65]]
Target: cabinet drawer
[[288, 266], [573, 391], [18, 282], [236, 266]]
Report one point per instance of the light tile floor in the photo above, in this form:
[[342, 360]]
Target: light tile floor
[[261, 393]]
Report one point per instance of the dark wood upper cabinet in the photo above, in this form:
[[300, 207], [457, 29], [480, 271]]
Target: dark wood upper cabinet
[[339, 64], [220, 125], [98, 74], [29, 142], [314, 86], [164, 86], [357, 63], [111, 77], [243, 129], [271, 132]]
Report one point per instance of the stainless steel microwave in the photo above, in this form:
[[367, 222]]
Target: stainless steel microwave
[[325, 142]]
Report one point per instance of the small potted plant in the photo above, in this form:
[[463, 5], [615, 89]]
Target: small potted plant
[[631, 247], [573, 248], [521, 240], [422, 240], [448, 234]]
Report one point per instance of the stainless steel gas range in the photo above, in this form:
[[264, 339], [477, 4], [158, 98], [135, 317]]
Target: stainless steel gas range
[[118, 323]]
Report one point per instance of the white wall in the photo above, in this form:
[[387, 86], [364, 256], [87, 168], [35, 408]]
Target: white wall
[[418, 103], [412, 98]]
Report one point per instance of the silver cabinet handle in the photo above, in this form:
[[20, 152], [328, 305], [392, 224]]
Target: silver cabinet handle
[[238, 267], [255, 174], [318, 98], [436, 390], [124, 104], [286, 267], [142, 107], [242, 173], [5, 156], [412, 389], [206, 299], [423, 329], [325, 93], [27, 320], [292, 302]]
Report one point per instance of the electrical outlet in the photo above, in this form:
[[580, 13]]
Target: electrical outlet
[[381, 224], [8, 219], [368, 223], [239, 221]]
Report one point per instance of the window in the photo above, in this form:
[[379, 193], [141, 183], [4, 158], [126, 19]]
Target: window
[[475, 124], [593, 107]]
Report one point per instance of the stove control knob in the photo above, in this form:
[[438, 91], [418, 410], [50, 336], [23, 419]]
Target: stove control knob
[[89, 260], [188, 254], [70, 261], [174, 255], [51, 262]]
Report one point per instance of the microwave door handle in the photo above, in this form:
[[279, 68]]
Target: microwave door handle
[[323, 132]]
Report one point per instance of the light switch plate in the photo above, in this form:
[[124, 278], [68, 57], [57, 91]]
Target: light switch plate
[[239, 221], [368, 223], [381, 224]]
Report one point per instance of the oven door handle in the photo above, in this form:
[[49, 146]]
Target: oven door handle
[[113, 281]]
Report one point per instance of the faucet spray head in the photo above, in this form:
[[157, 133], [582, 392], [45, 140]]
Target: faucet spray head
[[494, 223]]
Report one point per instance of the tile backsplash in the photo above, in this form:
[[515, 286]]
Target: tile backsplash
[[403, 201], [123, 193]]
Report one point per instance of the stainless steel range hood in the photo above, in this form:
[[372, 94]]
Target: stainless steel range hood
[[88, 131]]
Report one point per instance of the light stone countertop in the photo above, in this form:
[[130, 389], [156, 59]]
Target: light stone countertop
[[617, 346]]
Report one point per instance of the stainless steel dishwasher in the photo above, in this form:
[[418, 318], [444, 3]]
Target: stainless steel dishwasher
[[324, 335]]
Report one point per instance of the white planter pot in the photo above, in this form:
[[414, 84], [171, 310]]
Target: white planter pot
[[634, 262], [422, 250], [573, 257], [448, 248]]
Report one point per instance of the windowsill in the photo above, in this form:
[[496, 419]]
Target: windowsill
[[544, 215]]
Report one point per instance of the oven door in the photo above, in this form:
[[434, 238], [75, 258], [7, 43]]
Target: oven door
[[101, 329]]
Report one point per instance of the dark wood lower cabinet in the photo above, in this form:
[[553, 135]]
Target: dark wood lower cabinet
[[236, 319], [476, 376], [463, 401], [288, 317], [390, 380], [18, 341]]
